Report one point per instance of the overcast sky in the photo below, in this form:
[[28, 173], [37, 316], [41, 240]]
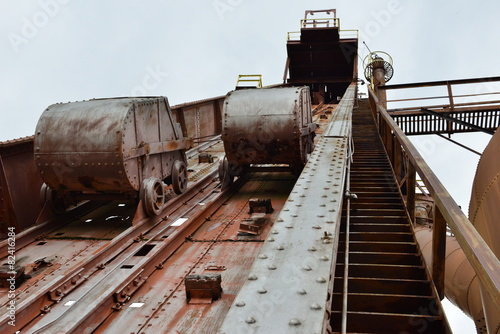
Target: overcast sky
[[67, 50]]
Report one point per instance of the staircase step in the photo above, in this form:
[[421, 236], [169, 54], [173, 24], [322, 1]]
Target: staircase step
[[361, 204], [378, 246], [388, 288], [360, 227], [363, 194], [379, 236], [410, 259], [383, 323], [376, 212], [382, 303], [374, 199], [379, 219], [384, 286], [386, 271]]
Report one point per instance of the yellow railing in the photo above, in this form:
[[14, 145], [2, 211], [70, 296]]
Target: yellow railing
[[249, 80], [349, 34], [293, 36]]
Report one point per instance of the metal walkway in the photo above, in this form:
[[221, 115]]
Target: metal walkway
[[388, 287]]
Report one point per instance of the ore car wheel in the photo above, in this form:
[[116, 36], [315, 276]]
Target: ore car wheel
[[179, 177], [226, 177], [153, 196], [47, 195]]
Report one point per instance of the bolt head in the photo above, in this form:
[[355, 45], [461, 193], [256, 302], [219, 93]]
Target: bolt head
[[250, 320]]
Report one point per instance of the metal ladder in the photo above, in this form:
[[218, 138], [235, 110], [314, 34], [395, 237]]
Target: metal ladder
[[388, 288]]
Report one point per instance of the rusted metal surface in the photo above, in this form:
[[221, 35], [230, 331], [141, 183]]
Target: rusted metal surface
[[462, 285], [205, 157], [268, 126], [90, 235], [439, 252], [20, 180], [322, 59], [203, 288], [98, 293], [484, 212], [463, 113], [215, 248], [19, 186], [384, 277], [287, 289], [87, 276], [93, 146], [200, 119], [260, 205], [481, 257]]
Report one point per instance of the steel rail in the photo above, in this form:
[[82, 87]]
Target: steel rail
[[29, 235], [29, 308], [481, 257], [109, 294], [440, 83], [345, 289], [213, 241], [411, 111]]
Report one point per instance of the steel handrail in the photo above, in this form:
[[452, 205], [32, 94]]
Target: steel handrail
[[481, 257], [345, 286]]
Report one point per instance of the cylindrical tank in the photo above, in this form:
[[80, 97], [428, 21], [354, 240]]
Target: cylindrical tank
[[484, 210], [268, 126], [107, 145], [462, 286]]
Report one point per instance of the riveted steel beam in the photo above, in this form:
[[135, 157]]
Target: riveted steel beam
[[287, 287]]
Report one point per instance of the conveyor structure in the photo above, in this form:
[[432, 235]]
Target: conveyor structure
[[295, 209]]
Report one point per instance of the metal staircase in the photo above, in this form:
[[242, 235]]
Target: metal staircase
[[388, 288]]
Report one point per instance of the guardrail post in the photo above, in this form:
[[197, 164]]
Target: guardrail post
[[389, 143], [438, 251], [411, 180], [398, 158]]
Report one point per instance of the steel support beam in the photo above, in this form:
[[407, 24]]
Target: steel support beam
[[288, 286]]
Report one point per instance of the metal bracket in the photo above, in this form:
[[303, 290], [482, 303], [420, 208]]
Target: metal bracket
[[71, 283], [205, 158], [203, 288], [260, 205], [159, 147], [124, 294]]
